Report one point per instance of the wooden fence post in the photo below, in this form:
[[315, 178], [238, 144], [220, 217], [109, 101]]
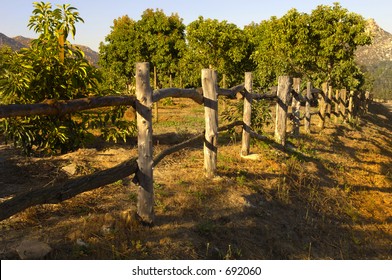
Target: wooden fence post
[[307, 107], [247, 114], [155, 88], [367, 101], [329, 102], [351, 106], [337, 109], [209, 84], [343, 100], [144, 175], [224, 85], [296, 106], [284, 89], [323, 105]]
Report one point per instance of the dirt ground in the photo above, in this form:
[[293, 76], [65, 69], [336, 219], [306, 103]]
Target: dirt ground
[[328, 197]]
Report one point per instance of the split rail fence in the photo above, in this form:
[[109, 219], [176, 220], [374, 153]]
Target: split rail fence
[[343, 105]]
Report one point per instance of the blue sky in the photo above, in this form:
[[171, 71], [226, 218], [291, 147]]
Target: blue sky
[[99, 14]]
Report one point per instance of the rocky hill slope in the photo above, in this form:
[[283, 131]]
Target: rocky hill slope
[[7, 41], [381, 48], [376, 59]]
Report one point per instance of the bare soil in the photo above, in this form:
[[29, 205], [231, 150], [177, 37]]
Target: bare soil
[[328, 197]]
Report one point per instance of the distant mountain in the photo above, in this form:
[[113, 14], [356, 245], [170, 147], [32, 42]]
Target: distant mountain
[[92, 56], [13, 44], [376, 59], [23, 40], [19, 42], [380, 49]]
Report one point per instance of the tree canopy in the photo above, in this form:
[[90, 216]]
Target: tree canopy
[[319, 46], [155, 38], [217, 44]]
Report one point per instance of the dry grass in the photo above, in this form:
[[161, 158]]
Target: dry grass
[[329, 197]]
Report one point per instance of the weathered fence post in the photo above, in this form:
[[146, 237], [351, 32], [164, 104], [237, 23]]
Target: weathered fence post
[[343, 100], [224, 85], [247, 114], [329, 102], [307, 106], [323, 105], [337, 109], [367, 101], [284, 89], [155, 88], [296, 106], [209, 84], [351, 106], [145, 204]]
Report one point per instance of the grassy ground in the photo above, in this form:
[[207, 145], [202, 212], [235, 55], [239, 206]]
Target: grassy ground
[[328, 197]]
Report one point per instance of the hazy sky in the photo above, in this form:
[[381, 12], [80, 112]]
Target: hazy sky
[[99, 14]]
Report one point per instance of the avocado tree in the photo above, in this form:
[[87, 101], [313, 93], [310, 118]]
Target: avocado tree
[[156, 38], [50, 69], [217, 44], [338, 34], [283, 46], [319, 46]]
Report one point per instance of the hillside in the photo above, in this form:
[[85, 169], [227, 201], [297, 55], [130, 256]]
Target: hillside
[[19, 42], [381, 48], [12, 43], [376, 59]]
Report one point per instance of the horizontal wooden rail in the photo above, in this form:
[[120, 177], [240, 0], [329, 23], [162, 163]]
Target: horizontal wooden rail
[[231, 93], [191, 141], [194, 94], [61, 107], [67, 190]]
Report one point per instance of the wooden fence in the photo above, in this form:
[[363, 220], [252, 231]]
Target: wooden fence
[[288, 90]]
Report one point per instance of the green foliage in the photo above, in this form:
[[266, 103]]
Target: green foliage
[[51, 68], [338, 33], [51, 24], [220, 45], [46, 135], [381, 84], [261, 114], [319, 46], [111, 124], [155, 38], [282, 47]]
